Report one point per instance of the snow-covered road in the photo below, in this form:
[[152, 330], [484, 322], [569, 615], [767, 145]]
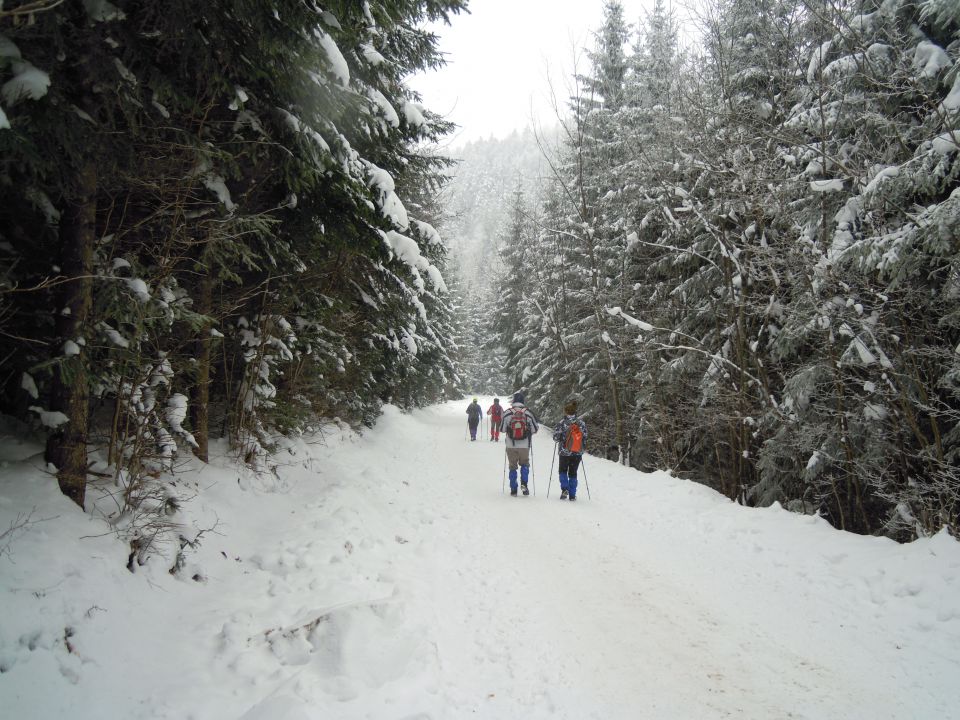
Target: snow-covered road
[[389, 577]]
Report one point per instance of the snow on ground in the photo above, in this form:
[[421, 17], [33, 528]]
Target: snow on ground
[[387, 576]]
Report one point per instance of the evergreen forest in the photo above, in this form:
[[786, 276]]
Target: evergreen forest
[[231, 221]]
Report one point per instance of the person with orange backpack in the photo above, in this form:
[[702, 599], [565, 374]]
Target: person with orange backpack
[[571, 438], [495, 412], [518, 426]]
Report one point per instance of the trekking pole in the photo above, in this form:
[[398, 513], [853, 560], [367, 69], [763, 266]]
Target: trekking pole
[[552, 458], [503, 485], [585, 481], [533, 471]]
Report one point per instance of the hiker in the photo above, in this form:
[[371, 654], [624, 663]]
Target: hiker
[[473, 418], [495, 412], [571, 437], [519, 425]]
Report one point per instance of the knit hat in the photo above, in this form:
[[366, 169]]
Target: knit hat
[[474, 399], [570, 408], [518, 398]]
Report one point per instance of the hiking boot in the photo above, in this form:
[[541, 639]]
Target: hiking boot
[[563, 495], [513, 491], [572, 498], [526, 490]]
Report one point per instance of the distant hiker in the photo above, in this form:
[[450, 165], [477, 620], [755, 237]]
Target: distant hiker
[[474, 414], [571, 437], [495, 412], [519, 425]]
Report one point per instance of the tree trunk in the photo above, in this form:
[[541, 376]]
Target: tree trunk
[[200, 394], [70, 390]]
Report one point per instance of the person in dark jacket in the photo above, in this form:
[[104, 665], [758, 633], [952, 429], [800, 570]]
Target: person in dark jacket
[[518, 426], [495, 412], [474, 413], [571, 437]]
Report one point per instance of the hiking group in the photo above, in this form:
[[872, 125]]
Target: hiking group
[[518, 425]]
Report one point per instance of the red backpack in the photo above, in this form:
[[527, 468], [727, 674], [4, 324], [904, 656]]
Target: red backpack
[[518, 428]]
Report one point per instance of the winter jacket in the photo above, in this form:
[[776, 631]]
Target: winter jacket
[[532, 425], [495, 412], [560, 434], [473, 413]]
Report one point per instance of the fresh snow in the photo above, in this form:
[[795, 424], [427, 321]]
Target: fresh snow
[[413, 114], [27, 383], [816, 61], [218, 186], [49, 418], [390, 204], [176, 414], [386, 109], [427, 231], [387, 576], [930, 59], [102, 11], [27, 82], [114, 335], [885, 173], [139, 289], [9, 49], [408, 251], [371, 55], [948, 142], [338, 64], [629, 319], [826, 186], [951, 103]]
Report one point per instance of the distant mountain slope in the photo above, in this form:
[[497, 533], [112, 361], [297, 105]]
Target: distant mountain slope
[[478, 196]]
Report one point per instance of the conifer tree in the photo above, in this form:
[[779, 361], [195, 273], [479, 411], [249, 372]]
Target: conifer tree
[[219, 187]]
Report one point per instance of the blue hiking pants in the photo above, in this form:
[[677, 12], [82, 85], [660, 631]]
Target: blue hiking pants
[[568, 473]]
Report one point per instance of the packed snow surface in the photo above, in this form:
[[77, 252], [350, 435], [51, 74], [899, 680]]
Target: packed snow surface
[[388, 576]]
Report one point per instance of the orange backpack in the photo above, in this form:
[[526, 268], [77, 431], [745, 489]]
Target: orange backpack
[[573, 442]]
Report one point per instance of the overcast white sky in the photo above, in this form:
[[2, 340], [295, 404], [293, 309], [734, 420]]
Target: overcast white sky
[[500, 57]]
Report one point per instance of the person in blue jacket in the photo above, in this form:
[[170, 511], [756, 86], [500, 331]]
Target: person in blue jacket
[[474, 413], [571, 438]]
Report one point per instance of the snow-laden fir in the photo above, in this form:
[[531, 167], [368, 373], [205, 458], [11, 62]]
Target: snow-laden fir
[[388, 576]]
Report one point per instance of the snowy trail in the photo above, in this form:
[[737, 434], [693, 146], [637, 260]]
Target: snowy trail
[[541, 608], [583, 620], [388, 576]]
